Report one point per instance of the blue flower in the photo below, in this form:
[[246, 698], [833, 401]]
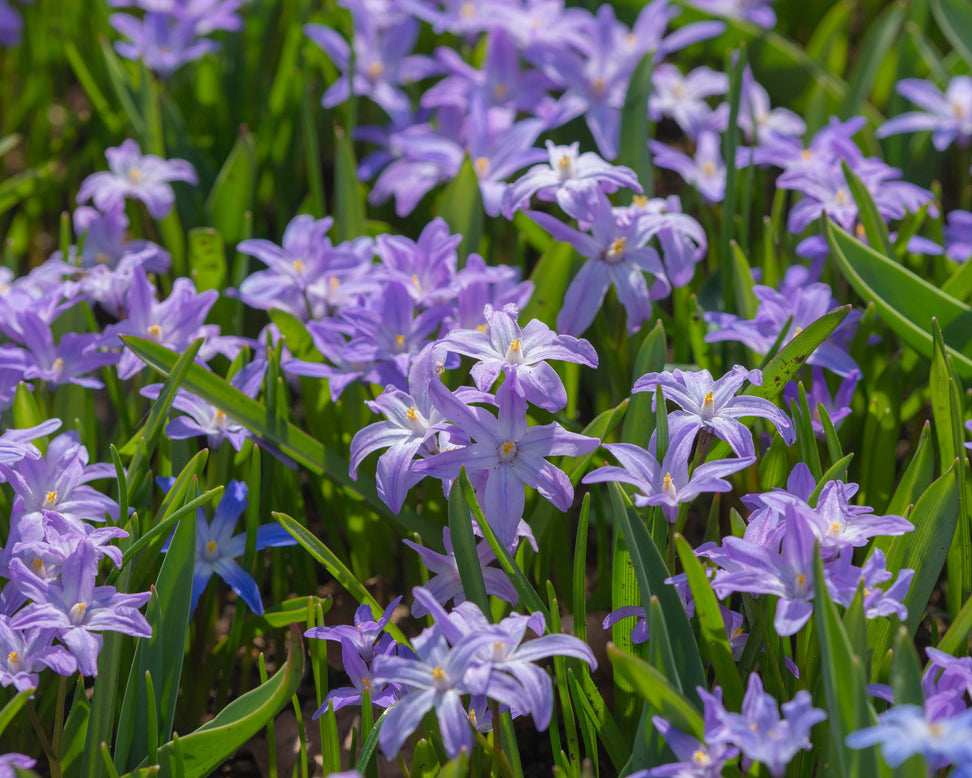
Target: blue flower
[[217, 547]]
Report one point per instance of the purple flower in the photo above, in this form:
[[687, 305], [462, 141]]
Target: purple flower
[[508, 454], [382, 62], [798, 302], [25, 653], [697, 759], [958, 236], [906, 730], [682, 98], [762, 735], [844, 579], [426, 267], [566, 171], [618, 255], [668, 484], [759, 122], [10, 26], [204, 419], [715, 407], [15, 444], [836, 406], [363, 635], [948, 115], [446, 583], [174, 322], [705, 171], [67, 362], [217, 547], [436, 678], [162, 42], [78, 609], [520, 356], [11, 764], [142, 177], [759, 570], [759, 12]]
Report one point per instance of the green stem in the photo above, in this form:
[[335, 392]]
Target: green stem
[[54, 762]]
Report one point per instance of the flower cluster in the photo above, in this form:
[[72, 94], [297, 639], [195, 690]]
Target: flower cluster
[[50, 561]]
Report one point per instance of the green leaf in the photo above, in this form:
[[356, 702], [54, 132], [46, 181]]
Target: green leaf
[[207, 258], [335, 567], [712, 625], [461, 205], [25, 410], [657, 690], [924, 551], [464, 544], [633, 151], [881, 36], [289, 439], [349, 206], [916, 478], [207, 747], [152, 428], [640, 418], [954, 17], [13, 707], [904, 301], [550, 277], [874, 226], [72, 741], [906, 671], [651, 572], [781, 369], [232, 193], [298, 339], [845, 685], [836, 472]]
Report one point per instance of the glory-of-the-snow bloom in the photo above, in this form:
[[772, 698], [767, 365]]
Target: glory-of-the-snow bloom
[[217, 547], [138, 176], [506, 454], [714, 406], [947, 114]]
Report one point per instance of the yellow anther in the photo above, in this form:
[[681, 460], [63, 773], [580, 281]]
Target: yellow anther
[[483, 328], [500, 91], [411, 413], [709, 400], [835, 527], [468, 10], [220, 418], [155, 331], [399, 340], [37, 564], [482, 166], [50, 497], [13, 658], [366, 682], [617, 246], [333, 282], [736, 632], [415, 281], [639, 200], [102, 258], [842, 198], [77, 610], [507, 447], [134, 175], [375, 69], [935, 730], [211, 548], [438, 674], [515, 344], [58, 365], [564, 162], [860, 231], [598, 85], [801, 579], [298, 265], [806, 154], [708, 168], [472, 715], [701, 758]]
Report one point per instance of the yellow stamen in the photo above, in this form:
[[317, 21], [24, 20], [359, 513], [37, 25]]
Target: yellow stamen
[[51, 497], [709, 400], [220, 418], [701, 758], [483, 328], [102, 258], [708, 168], [415, 281], [617, 246], [639, 200], [333, 282], [58, 365], [564, 162], [835, 527], [807, 154], [411, 413], [841, 198], [468, 10], [37, 564], [134, 175], [500, 91], [508, 447], [399, 340], [211, 548], [375, 69], [77, 610], [366, 682], [597, 85], [13, 658], [515, 344], [155, 331], [298, 265], [860, 231], [482, 166], [438, 674], [801, 579]]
